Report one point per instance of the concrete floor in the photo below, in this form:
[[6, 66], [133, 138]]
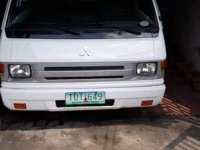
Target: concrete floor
[[163, 133], [175, 124]]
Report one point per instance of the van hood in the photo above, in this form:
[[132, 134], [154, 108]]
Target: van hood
[[95, 50]]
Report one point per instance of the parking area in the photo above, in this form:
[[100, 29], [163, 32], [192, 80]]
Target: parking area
[[172, 125]]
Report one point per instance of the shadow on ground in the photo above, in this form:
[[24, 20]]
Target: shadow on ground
[[188, 140]]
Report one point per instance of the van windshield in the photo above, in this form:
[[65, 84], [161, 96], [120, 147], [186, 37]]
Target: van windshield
[[79, 19]]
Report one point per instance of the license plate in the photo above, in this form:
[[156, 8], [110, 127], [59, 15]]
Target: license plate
[[85, 98]]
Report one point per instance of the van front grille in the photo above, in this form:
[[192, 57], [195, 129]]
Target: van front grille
[[81, 72]]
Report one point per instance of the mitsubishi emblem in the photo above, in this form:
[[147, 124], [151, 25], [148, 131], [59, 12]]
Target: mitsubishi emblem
[[85, 52]]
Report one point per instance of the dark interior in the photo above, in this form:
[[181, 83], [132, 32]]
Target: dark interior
[[2, 9], [80, 12]]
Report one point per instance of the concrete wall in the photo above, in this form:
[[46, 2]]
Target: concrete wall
[[185, 31]]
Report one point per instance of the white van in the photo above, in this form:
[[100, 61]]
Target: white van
[[70, 55]]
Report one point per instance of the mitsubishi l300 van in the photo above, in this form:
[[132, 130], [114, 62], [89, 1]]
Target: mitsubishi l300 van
[[70, 55]]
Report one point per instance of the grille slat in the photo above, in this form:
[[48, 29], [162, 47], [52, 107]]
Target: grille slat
[[83, 68], [79, 78]]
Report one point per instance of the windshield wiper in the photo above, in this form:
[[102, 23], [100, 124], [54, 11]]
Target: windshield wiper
[[57, 27], [136, 30], [101, 26], [41, 26], [122, 29], [130, 29]]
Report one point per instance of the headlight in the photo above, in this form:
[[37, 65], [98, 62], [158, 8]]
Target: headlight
[[20, 71], [146, 69]]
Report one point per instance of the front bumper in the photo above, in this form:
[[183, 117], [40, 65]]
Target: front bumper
[[44, 99]]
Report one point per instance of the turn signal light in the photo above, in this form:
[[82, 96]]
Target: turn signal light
[[1, 68], [147, 103], [20, 106], [163, 64]]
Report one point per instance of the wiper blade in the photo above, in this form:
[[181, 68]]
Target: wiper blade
[[42, 26], [57, 27], [130, 31], [123, 29], [134, 30], [102, 26]]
